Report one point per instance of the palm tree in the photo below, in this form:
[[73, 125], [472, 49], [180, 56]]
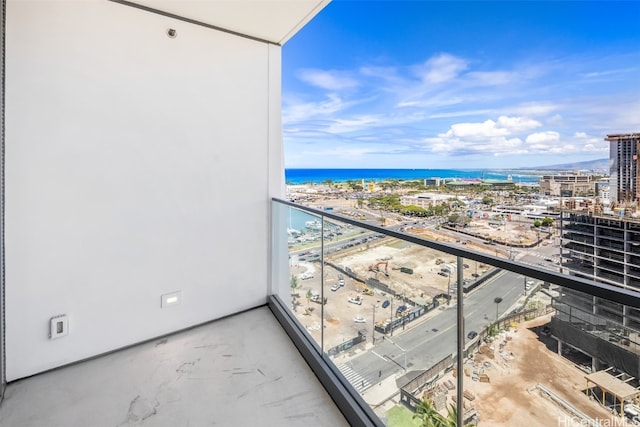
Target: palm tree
[[426, 412], [452, 417], [294, 295]]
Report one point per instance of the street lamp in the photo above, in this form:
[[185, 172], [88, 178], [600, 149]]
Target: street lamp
[[391, 308], [404, 352], [373, 330], [497, 300]]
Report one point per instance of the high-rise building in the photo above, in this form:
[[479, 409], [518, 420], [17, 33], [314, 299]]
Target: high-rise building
[[604, 248], [623, 155]]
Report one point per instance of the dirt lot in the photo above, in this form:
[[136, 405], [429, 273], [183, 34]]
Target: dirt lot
[[390, 255], [511, 397]]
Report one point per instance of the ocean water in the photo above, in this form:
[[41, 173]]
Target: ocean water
[[317, 176], [297, 219]]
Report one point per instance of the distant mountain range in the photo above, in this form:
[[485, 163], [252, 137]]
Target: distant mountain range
[[590, 165]]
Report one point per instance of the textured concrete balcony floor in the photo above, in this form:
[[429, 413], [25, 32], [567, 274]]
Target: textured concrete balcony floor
[[239, 371]]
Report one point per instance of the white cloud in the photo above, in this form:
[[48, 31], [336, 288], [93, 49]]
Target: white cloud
[[556, 119], [460, 113], [431, 102], [441, 68], [517, 124], [330, 80], [297, 112], [580, 135], [495, 145], [338, 126], [389, 75], [504, 126], [608, 72], [476, 130], [535, 108], [491, 78], [542, 138]]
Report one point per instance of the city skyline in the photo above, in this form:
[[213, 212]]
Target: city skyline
[[381, 84]]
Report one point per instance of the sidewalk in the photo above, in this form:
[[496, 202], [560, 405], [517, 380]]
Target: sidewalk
[[379, 392]]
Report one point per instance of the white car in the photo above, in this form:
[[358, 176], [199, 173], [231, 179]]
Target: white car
[[305, 276], [356, 300], [341, 282], [359, 319], [335, 287]]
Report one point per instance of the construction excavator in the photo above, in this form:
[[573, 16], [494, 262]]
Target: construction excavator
[[376, 267], [364, 289]]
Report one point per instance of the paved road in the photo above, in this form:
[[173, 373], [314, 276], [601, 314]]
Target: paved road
[[427, 343]]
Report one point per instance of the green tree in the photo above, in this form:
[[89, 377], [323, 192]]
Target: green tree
[[547, 222], [328, 182], [309, 295], [354, 185], [486, 200], [493, 330], [293, 282], [414, 210], [537, 223], [454, 218]]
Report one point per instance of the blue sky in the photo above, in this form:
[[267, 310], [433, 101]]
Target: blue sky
[[453, 84]]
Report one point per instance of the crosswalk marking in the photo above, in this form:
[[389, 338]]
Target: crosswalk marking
[[354, 378]]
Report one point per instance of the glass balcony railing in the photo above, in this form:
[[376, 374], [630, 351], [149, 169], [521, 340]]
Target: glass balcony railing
[[402, 322]]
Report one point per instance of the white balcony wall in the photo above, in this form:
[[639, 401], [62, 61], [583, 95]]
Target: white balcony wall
[[136, 165]]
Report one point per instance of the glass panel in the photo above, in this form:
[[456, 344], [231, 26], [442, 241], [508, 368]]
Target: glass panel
[[304, 233], [388, 326], [386, 315]]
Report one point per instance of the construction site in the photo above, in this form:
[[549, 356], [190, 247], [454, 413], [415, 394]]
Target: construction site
[[389, 272], [516, 378]]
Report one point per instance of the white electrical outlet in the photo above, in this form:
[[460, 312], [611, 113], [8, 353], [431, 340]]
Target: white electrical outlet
[[58, 326]]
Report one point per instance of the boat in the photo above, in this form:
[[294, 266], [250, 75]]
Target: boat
[[313, 225]]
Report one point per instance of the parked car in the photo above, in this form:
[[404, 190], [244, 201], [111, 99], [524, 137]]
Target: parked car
[[355, 300], [341, 282], [359, 319], [335, 287], [385, 303], [317, 299], [471, 335], [305, 276]]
